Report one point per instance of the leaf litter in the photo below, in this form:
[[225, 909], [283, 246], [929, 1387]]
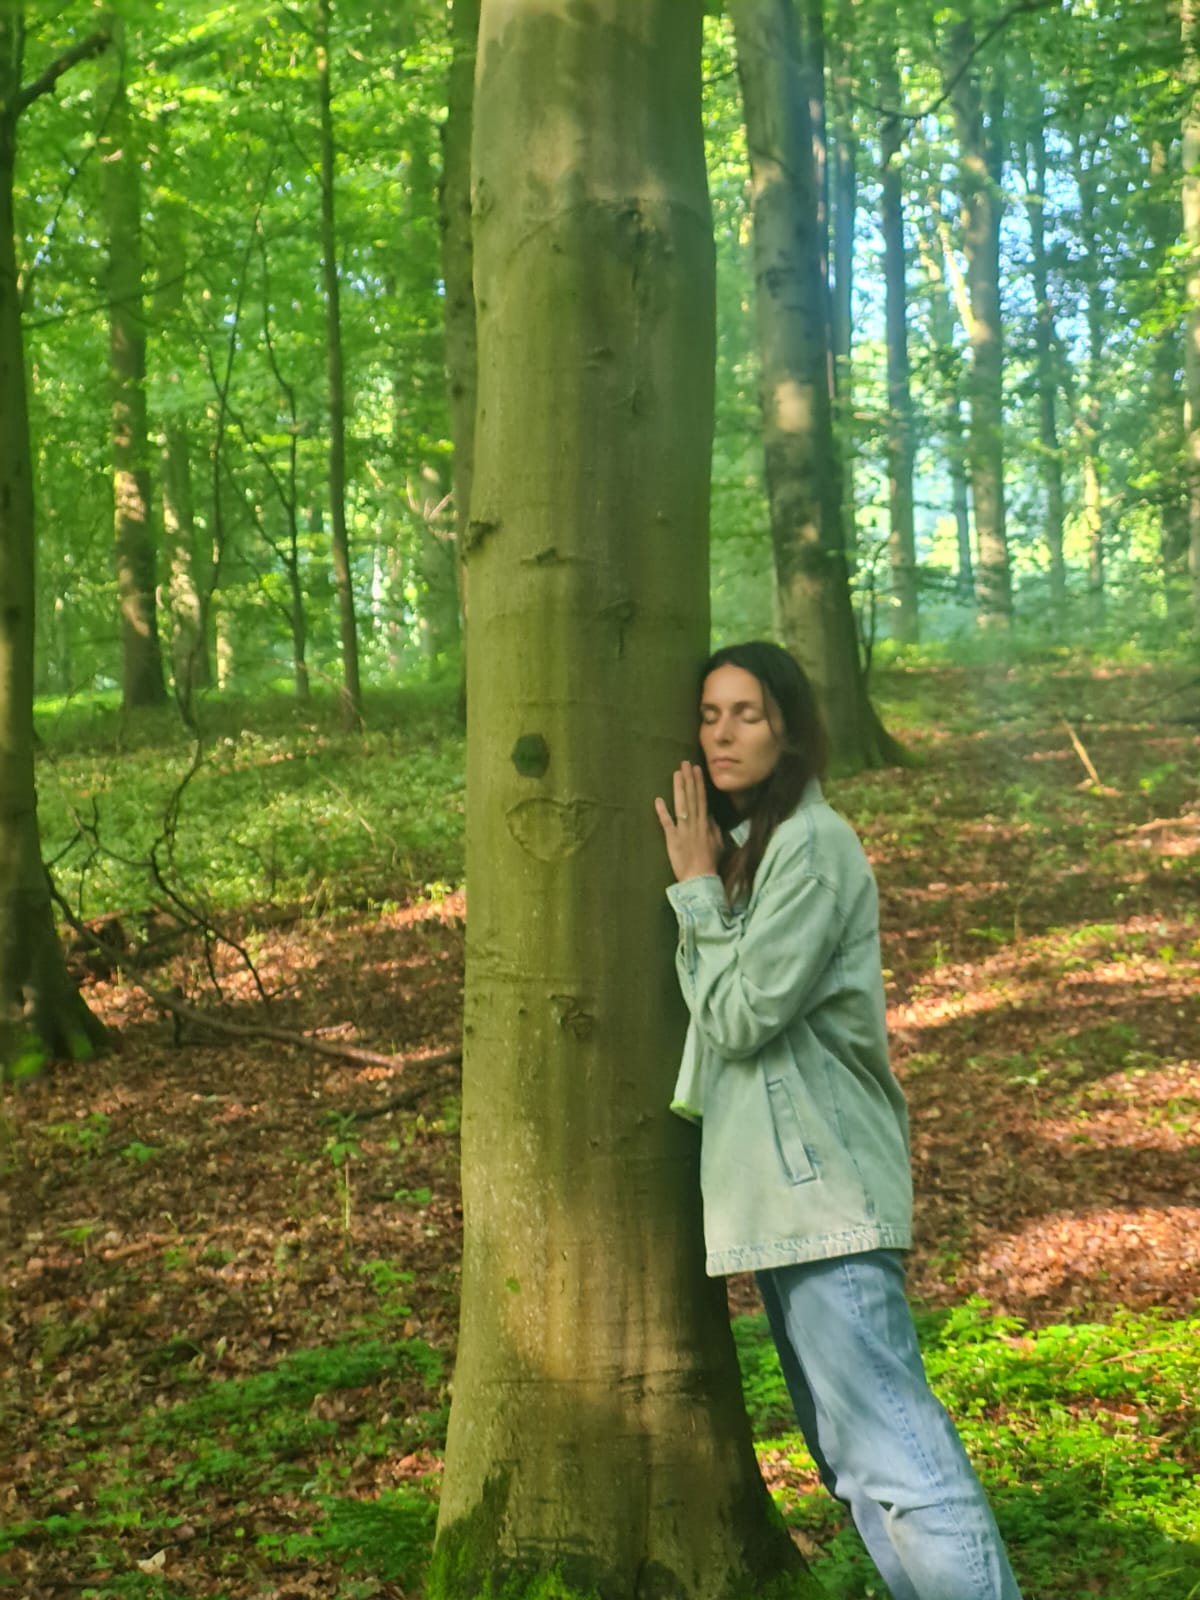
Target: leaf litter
[[195, 1216]]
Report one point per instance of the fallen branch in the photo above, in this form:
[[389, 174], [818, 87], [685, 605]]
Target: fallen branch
[[402, 1102], [344, 1052], [1089, 768]]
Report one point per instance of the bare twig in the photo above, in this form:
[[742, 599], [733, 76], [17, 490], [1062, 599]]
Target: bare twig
[[1089, 768], [401, 1102], [253, 1030], [44, 83], [306, 1041]]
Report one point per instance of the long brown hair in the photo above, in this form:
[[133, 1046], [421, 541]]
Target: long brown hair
[[803, 755]]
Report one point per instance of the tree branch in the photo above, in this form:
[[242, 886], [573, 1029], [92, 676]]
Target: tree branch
[[1018, 9], [93, 45]]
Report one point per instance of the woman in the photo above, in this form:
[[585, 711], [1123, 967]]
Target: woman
[[804, 1164]]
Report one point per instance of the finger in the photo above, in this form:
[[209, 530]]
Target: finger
[[700, 795], [664, 816], [681, 795]]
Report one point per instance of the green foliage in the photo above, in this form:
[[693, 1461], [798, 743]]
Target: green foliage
[[283, 806], [1086, 1437], [293, 1384], [389, 1537], [275, 1432]]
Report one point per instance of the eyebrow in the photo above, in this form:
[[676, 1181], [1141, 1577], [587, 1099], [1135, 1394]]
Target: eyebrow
[[738, 705]]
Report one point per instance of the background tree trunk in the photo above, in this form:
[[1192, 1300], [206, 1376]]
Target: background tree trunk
[[803, 483], [339, 534], [844, 187], [191, 660], [979, 169], [457, 268], [41, 1012], [597, 1427], [1190, 20], [902, 542], [1090, 417], [133, 514], [934, 255], [1046, 358]]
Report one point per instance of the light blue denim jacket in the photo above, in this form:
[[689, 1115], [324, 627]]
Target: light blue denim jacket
[[804, 1130]]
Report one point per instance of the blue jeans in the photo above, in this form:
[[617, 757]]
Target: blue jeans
[[882, 1442]]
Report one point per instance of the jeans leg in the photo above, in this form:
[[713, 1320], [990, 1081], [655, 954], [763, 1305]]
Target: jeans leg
[[868, 1516], [894, 1453]]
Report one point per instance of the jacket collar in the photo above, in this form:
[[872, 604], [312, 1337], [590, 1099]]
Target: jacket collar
[[812, 795]]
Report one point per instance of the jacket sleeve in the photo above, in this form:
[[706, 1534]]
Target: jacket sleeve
[[745, 979]]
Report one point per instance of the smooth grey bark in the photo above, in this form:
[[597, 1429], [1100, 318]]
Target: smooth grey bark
[[947, 364], [597, 1430], [142, 682], [979, 142], [1088, 157], [902, 543], [187, 594], [844, 206], [1167, 440], [803, 481], [1046, 364], [41, 1012]]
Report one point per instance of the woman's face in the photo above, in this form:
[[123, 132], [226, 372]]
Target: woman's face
[[739, 732]]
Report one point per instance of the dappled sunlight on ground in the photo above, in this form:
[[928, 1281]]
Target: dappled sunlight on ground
[[204, 1204]]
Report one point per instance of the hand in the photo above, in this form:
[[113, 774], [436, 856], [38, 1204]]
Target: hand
[[693, 838]]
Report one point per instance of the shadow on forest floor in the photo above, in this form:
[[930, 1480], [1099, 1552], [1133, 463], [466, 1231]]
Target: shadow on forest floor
[[189, 1215]]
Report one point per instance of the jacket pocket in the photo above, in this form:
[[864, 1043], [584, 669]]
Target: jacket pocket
[[789, 1140]]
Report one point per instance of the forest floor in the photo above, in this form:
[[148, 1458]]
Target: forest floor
[[230, 1299]]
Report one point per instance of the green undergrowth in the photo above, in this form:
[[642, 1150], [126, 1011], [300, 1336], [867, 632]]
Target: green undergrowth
[[1086, 1437], [263, 1464], [284, 805]]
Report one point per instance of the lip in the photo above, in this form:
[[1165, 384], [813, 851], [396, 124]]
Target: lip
[[722, 761]]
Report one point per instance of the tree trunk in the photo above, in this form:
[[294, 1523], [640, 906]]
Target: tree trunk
[[339, 535], [1167, 442], [803, 483], [980, 199], [937, 263], [191, 661], [1190, 19], [844, 206], [902, 541], [41, 1012], [133, 515], [597, 1433], [457, 270], [1090, 418], [1046, 364]]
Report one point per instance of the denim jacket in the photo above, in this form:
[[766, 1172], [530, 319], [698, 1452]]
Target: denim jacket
[[804, 1130]]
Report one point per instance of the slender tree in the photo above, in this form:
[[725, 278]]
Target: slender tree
[[980, 152], [41, 1012], [597, 1429], [1090, 155], [1046, 349], [1190, 22], [335, 368], [803, 482], [455, 200], [844, 206], [188, 599], [938, 261], [902, 539], [142, 681]]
